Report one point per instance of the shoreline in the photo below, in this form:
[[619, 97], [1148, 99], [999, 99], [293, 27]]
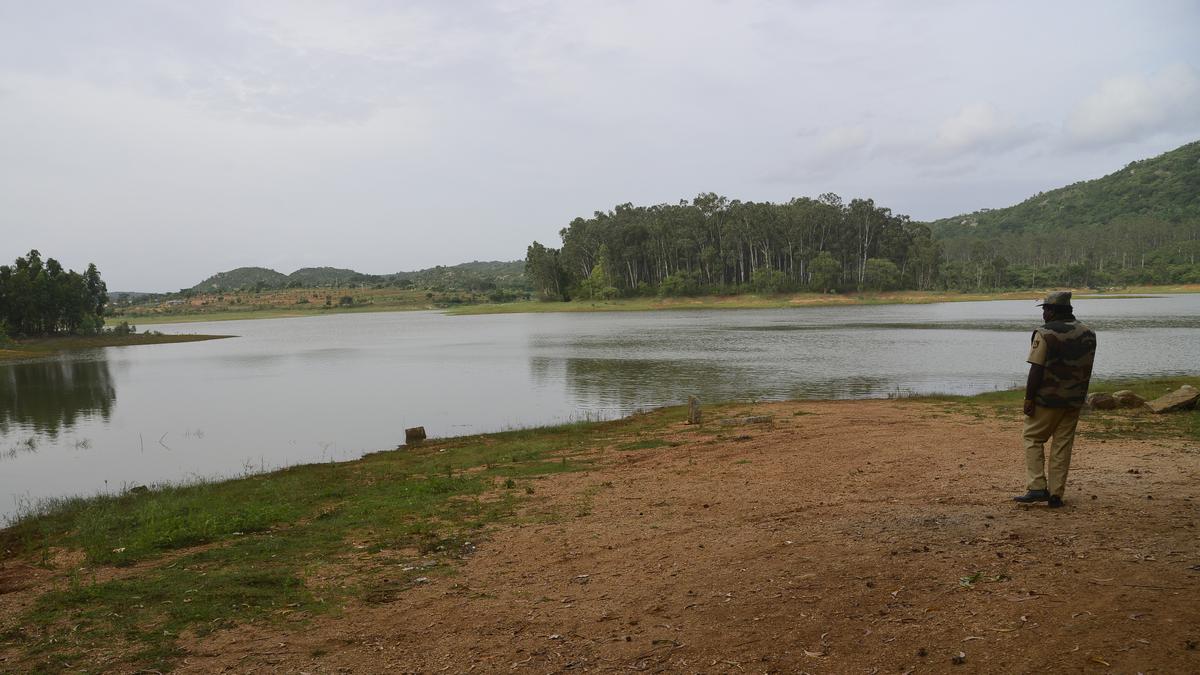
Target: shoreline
[[714, 302], [38, 348], [313, 549]]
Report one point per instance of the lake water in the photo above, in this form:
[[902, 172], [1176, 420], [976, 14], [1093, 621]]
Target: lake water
[[290, 391]]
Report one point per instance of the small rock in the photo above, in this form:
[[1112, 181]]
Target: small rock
[[1183, 398], [1101, 401], [1128, 399], [959, 659], [414, 435]]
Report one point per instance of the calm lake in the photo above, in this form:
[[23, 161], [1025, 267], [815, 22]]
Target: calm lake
[[290, 391]]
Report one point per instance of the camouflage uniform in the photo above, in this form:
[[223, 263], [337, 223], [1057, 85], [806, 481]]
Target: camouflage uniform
[[1066, 348]]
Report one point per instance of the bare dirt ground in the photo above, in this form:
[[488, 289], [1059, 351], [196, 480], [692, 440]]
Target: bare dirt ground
[[863, 536]]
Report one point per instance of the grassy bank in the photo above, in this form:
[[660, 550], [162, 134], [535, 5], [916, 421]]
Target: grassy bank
[[751, 301], [18, 350], [136, 571]]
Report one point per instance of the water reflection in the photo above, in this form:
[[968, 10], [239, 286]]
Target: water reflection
[[47, 397], [627, 384], [623, 385]]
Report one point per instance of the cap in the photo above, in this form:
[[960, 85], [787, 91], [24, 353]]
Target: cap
[[1056, 299]]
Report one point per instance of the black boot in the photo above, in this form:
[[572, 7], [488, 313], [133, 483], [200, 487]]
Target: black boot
[[1033, 496], [1054, 502]]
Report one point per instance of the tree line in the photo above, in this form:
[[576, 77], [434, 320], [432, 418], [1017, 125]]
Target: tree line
[[41, 298], [1129, 250], [714, 245]]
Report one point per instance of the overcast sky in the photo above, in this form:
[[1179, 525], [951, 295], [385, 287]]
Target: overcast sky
[[166, 141]]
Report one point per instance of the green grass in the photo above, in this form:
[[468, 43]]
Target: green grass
[[203, 557]]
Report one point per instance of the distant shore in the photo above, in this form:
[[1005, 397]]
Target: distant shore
[[743, 301], [20, 350], [749, 301]]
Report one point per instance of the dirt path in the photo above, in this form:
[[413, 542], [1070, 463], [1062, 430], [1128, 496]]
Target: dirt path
[[834, 540]]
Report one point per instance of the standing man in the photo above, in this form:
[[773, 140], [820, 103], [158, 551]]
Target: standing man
[[1060, 366]]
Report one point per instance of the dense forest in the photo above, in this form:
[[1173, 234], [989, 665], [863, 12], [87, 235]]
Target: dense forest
[[1139, 225], [41, 298], [712, 244]]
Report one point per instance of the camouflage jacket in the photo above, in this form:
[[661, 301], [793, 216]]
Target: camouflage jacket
[[1070, 351]]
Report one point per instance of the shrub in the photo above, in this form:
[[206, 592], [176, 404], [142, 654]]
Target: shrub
[[679, 284], [768, 281], [123, 328]]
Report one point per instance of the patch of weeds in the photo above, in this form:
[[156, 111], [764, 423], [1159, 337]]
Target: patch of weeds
[[645, 444]]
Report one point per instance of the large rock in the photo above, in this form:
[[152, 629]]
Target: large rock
[[1183, 398], [1101, 401], [1128, 399]]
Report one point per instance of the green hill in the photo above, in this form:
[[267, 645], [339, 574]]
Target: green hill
[[1139, 225], [242, 277], [1164, 188], [475, 275], [312, 277]]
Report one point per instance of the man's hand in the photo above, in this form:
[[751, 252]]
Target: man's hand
[[1032, 384]]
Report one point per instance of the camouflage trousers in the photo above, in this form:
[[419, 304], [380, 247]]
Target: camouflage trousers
[[1044, 424]]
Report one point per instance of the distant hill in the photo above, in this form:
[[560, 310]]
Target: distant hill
[[1139, 225], [509, 274], [1166, 187], [327, 276], [242, 277], [476, 275]]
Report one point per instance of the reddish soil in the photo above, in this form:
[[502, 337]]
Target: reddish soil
[[828, 542]]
